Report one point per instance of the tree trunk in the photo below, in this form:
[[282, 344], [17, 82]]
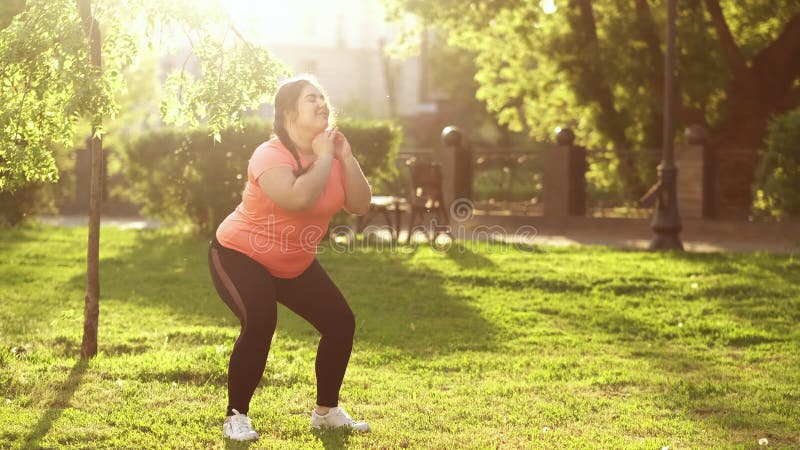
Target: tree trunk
[[756, 93], [746, 123], [92, 305], [735, 143]]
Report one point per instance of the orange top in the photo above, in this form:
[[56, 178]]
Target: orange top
[[285, 242]]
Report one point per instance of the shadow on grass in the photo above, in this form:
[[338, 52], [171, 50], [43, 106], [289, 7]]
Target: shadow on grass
[[783, 267], [463, 255], [757, 288], [741, 301], [706, 391], [397, 302], [401, 302], [230, 444], [737, 300], [167, 271], [57, 405], [333, 438]]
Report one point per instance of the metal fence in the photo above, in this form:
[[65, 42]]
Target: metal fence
[[606, 194], [510, 180]]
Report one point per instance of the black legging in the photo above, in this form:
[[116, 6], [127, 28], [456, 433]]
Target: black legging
[[252, 293]]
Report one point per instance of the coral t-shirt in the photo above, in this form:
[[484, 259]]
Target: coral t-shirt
[[285, 242]]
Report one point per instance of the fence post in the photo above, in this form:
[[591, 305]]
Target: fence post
[[695, 169], [564, 182], [456, 162]]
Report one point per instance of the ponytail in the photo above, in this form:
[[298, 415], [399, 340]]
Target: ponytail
[[283, 135]]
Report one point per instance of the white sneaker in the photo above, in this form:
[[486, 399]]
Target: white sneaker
[[335, 418], [238, 428]]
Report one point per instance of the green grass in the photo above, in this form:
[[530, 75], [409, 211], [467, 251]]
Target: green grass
[[476, 347]]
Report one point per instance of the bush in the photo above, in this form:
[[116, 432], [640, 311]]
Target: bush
[[35, 197], [24, 203], [183, 177], [777, 185], [375, 144]]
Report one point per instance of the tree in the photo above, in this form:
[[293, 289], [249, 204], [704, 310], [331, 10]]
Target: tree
[[452, 69], [599, 66], [8, 10], [55, 71]]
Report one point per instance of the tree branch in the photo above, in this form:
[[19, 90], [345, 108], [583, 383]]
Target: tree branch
[[29, 18], [733, 55], [240, 36]]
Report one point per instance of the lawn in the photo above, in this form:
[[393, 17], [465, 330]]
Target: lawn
[[478, 346]]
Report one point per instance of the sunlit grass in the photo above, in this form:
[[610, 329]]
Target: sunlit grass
[[481, 346]]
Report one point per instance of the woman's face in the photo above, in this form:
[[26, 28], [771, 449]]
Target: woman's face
[[312, 110]]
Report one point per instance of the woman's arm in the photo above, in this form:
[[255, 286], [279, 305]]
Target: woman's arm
[[357, 191], [296, 193]]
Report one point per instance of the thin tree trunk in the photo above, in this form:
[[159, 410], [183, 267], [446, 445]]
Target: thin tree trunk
[[92, 306]]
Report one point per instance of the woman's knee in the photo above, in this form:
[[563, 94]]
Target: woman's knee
[[337, 323], [259, 327], [258, 319], [346, 324]]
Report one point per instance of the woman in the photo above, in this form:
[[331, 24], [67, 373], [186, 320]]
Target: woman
[[264, 252]]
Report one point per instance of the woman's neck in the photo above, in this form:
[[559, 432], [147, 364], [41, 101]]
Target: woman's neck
[[302, 140]]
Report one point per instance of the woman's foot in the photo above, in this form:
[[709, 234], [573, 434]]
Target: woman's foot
[[237, 427], [335, 418]]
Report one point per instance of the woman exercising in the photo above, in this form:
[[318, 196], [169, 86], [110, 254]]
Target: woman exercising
[[264, 252]]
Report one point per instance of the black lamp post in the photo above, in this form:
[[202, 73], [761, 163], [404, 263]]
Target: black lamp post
[[666, 223]]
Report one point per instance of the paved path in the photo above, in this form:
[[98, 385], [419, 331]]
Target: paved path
[[136, 223], [697, 235]]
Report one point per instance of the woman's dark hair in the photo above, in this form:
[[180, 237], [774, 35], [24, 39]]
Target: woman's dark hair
[[285, 102]]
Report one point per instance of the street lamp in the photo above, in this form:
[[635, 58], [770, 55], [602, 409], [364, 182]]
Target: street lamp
[[666, 223]]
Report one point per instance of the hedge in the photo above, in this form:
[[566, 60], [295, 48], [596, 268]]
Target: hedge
[[777, 185], [24, 203], [183, 177]]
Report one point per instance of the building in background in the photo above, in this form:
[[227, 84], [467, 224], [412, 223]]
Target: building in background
[[341, 43]]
